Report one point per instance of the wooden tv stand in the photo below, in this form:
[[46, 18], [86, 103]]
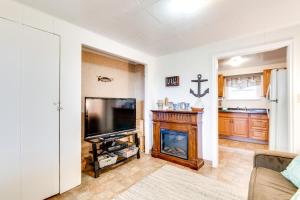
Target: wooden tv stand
[[101, 146]]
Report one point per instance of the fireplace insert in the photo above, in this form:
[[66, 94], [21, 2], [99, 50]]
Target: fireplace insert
[[174, 143]]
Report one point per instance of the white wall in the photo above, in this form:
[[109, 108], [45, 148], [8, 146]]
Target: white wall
[[72, 38], [187, 64]]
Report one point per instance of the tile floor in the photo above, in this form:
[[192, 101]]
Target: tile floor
[[234, 168], [242, 145]]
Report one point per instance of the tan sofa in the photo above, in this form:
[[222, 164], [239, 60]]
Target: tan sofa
[[266, 180]]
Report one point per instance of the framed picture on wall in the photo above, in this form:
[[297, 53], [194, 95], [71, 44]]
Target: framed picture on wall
[[172, 81]]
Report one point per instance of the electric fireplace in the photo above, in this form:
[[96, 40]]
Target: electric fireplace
[[177, 137], [174, 143]]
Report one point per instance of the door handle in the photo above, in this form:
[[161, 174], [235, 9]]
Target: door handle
[[58, 106]]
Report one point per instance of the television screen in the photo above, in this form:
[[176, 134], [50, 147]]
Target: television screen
[[105, 116]]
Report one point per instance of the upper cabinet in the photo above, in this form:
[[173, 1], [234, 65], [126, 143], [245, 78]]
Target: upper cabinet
[[220, 85], [266, 80]]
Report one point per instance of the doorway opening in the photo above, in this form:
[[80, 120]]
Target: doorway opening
[[121, 81], [253, 99]]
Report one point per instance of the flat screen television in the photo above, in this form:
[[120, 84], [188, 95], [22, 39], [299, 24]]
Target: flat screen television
[[107, 116]]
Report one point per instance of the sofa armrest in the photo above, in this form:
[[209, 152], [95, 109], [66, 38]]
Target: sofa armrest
[[277, 161]]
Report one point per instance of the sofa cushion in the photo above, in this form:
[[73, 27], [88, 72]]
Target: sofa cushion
[[268, 184], [292, 172]]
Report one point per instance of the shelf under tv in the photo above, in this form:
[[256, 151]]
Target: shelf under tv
[[101, 145], [120, 160]]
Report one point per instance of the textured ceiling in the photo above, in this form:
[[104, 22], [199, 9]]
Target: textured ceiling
[[148, 25]]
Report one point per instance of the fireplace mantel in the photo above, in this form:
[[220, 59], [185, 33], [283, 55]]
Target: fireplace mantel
[[181, 122]]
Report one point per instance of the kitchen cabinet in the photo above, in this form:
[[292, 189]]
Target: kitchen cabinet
[[240, 127], [244, 126], [220, 85], [225, 127], [233, 124], [266, 81], [259, 127]]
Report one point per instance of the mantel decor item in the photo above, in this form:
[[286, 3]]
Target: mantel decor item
[[184, 106], [194, 109], [199, 81], [168, 105], [172, 81], [160, 104]]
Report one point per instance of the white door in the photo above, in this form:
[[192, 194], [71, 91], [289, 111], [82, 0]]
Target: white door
[[10, 110], [39, 115]]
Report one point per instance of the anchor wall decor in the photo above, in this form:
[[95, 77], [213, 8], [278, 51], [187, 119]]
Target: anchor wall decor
[[199, 81]]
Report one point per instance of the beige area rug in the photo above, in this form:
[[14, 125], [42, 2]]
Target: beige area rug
[[172, 183]]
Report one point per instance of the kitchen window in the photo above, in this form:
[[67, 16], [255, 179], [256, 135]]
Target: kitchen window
[[243, 87]]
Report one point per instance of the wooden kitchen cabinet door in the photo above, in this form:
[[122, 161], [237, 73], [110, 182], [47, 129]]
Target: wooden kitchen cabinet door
[[220, 85], [266, 80], [259, 127], [240, 127], [225, 126], [259, 134], [259, 124]]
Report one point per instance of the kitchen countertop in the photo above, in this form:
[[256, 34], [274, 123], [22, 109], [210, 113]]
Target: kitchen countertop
[[249, 110]]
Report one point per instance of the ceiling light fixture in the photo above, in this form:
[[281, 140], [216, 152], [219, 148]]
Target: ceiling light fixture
[[185, 6], [236, 61]]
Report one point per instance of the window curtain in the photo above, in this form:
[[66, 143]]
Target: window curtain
[[243, 81]]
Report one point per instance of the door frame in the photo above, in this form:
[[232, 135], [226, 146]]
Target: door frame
[[246, 51]]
